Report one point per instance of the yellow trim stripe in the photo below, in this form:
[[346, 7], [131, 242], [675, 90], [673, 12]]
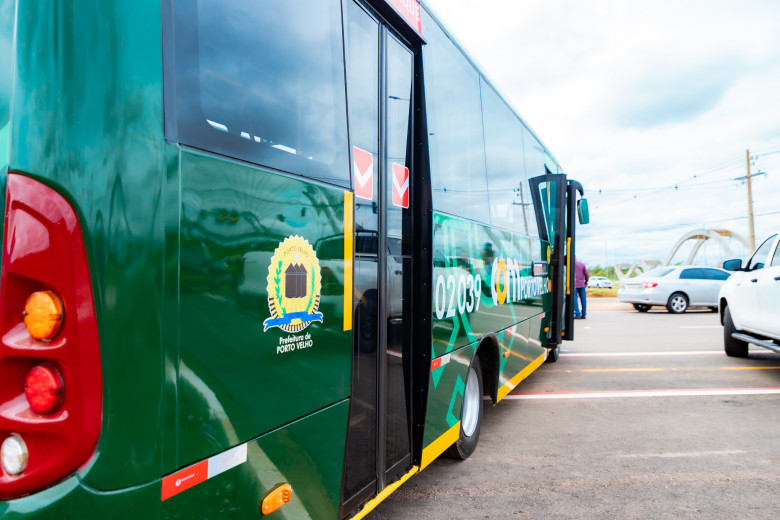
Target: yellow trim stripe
[[549, 260], [349, 215], [389, 490], [430, 453], [440, 445], [568, 266], [512, 384]]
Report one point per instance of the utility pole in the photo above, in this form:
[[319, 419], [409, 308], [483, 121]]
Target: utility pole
[[751, 230]]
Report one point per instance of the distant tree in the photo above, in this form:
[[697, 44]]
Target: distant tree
[[598, 270]]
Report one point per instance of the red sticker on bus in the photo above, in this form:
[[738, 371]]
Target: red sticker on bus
[[363, 173], [400, 186], [410, 10], [185, 479]]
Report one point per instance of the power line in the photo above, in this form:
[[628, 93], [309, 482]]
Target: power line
[[679, 185], [670, 227]]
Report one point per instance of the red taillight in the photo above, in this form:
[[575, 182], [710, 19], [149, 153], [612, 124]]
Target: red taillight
[[43, 389], [649, 285], [51, 388]]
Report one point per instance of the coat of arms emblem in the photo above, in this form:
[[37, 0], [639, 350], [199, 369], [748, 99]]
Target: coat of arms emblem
[[294, 284]]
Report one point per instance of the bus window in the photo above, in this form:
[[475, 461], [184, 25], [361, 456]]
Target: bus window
[[455, 136], [265, 89], [508, 192], [6, 45]]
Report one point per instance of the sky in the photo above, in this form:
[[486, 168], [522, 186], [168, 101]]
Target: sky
[[652, 106]]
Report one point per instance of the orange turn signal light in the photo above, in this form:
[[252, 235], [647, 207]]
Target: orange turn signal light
[[276, 498], [43, 315]]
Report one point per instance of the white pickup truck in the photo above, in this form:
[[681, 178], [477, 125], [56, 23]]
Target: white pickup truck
[[749, 301]]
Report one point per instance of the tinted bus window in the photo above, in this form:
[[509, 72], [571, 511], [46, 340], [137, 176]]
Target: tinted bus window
[[263, 82], [507, 189], [455, 137], [6, 49]]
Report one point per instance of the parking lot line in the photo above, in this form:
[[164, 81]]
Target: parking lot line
[[701, 326], [623, 370], [750, 368], [648, 354], [606, 394]]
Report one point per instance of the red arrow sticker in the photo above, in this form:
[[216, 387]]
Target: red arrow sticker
[[363, 173], [400, 186]]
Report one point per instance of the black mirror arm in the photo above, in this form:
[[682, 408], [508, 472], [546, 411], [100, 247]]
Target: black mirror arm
[[578, 187]]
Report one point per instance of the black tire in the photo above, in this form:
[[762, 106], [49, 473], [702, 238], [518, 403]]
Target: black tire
[[642, 307], [471, 415], [733, 347], [553, 354], [713, 309], [677, 304]]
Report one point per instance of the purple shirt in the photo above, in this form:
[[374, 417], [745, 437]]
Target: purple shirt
[[581, 275]]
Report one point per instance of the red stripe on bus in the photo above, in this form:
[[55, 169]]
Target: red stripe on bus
[[185, 479]]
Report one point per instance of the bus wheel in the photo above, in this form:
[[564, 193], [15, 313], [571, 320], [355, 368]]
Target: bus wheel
[[471, 416], [733, 347], [553, 354]]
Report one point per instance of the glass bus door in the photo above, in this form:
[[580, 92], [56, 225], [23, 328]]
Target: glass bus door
[[549, 197], [379, 84]]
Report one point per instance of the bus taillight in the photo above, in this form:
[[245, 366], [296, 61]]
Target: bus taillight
[[43, 315], [51, 389], [43, 389]]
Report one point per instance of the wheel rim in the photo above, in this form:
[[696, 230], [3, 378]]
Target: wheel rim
[[678, 303], [471, 404]]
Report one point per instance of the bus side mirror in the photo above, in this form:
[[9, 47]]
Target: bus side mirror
[[733, 265], [582, 211]]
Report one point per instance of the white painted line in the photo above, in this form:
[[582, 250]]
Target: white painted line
[[648, 354], [646, 393], [680, 455], [701, 326]]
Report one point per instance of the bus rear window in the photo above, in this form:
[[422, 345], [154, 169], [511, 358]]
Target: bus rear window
[[261, 82]]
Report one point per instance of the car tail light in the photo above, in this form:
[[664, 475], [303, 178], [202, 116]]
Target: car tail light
[[51, 389], [649, 285]]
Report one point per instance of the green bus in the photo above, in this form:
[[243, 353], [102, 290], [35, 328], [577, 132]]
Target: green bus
[[259, 258]]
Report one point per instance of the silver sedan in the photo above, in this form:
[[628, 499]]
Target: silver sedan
[[676, 288]]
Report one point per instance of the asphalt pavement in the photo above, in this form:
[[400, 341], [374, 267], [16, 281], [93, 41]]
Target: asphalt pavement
[[643, 416]]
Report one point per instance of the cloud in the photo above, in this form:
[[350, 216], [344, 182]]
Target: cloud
[[636, 98], [659, 98]]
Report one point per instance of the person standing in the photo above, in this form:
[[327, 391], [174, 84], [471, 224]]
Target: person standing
[[581, 278]]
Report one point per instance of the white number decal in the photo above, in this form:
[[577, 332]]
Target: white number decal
[[442, 298], [451, 308], [470, 293], [464, 294], [477, 291]]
